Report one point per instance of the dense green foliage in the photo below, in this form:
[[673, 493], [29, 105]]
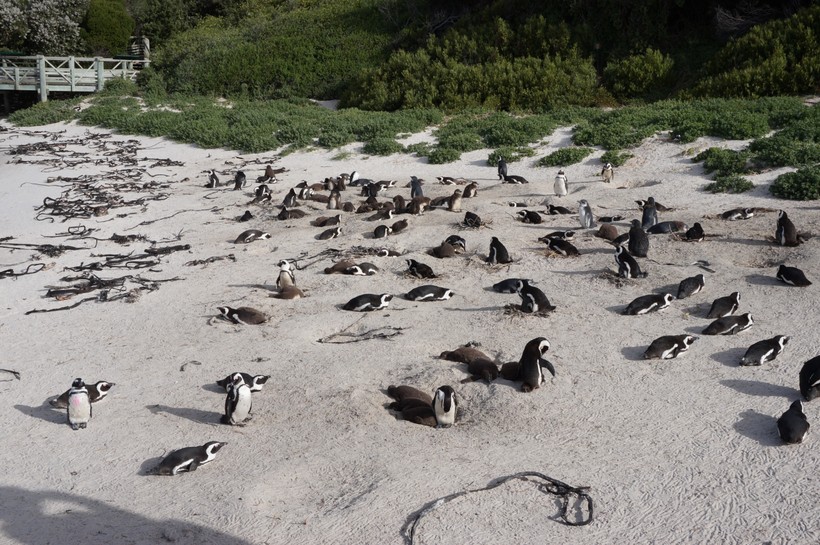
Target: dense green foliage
[[723, 161], [803, 185], [729, 183], [564, 157], [107, 27], [615, 157], [646, 75]]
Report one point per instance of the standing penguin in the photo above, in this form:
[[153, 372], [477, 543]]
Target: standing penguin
[[608, 173], [286, 275], [79, 405], [627, 265], [560, 185], [786, 233], [532, 298], [810, 379], [585, 215], [238, 403], [650, 214], [239, 180], [498, 253], [638, 240], [415, 188], [529, 366], [213, 180], [502, 168], [793, 425], [290, 198], [445, 406], [690, 286]]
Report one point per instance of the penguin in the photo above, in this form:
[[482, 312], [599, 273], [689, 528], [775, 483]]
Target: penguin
[[440, 412], [608, 232], [443, 250], [533, 300], [250, 235], [559, 187], [188, 458], [792, 276], [419, 270], [362, 269], [254, 382], [694, 233], [608, 173], [96, 392], [403, 394], [368, 302], [418, 205], [260, 192], [786, 233], [561, 247], [446, 180], [667, 227], [585, 215], [510, 285], [78, 408], [340, 266], [286, 276], [381, 231], [498, 253], [454, 202], [243, 315], [458, 243], [691, 286], [658, 206], [648, 303], [464, 354], [289, 292], [668, 347], [472, 220], [530, 216], [627, 266], [729, 325], [328, 234], [429, 292], [239, 180], [322, 221], [763, 351], [810, 379], [563, 235], [609, 219], [290, 199], [305, 193], [638, 240], [650, 214], [529, 366], [738, 214], [470, 190], [238, 403], [515, 179], [502, 168], [287, 214], [481, 369], [793, 426], [724, 306], [399, 226], [247, 216], [213, 180], [354, 178], [558, 210], [399, 204], [445, 406], [415, 188], [333, 200]]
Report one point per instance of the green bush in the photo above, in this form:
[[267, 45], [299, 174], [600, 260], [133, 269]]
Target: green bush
[[647, 74], [45, 113], [616, 158], [780, 150], [564, 157], [510, 154], [107, 27], [730, 183], [740, 125], [382, 146], [803, 185], [723, 161], [439, 156]]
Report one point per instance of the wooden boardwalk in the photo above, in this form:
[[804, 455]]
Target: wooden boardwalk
[[44, 75]]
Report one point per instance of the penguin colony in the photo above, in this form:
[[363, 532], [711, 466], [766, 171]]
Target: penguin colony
[[438, 405]]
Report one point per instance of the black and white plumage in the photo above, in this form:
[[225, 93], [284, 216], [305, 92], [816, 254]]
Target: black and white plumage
[[627, 265], [213, 180], [419, 270], [510, 285], [729, 325], [668, 347], [243, 315], [667, 227], [362, 269], [415, 188], [239, 180], [254, 382], [260, 192], [247, 216], [559, 187], [585, 216], [533, 300], [429, 292], [638, 240], [691, 286], [810, 379], [78, 407], [650, 214], [498, 252], [793, 426], [724, 306], [457, 242], [531, 362], [555, 210], [792, 276], [481, 369], [381, 231], [694, 233], [515, 179], [238, 403], [399, 226], [470, 190], [649, 303], [445, 406], [419, 408], [471, 219], [530, 216], [250, 235], [323, 221], [608, 173], [96, 392], [290, 198], [560, 246], [188, 459], [564, 235], [502, 168], [738, 214], [331, 233], [286, 277], [785, 233], [368, 302], [763, 351]]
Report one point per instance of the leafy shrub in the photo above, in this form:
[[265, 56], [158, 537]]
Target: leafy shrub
[[780, 150], [722, 161], [382, 146], [730, 183], [564, 157], [643, 75], [803, 185], [510, 154], [439, 156], [740, 125], [616, 158], [45, 113], [107, 27]]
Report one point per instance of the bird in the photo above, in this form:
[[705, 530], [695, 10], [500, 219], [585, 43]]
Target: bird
[[650, 214], [419, 270], [738, 214], [793, 426], [786, 233], [694, 233], [763, 351], [559, 187], [188, 458], [668, 346], [690, 286], [243, 315], [810, 379], [724, 306], [649, 303], [792, 276], [638, 244], [729, 325], [608, 172], [627, 265], [502, 168], [368, 302], [585, 215]]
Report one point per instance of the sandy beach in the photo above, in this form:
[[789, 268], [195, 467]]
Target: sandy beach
[[676, 451]]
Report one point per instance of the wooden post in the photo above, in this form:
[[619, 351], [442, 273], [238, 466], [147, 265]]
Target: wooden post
[[100, 81], [71, 77], [41, 75]]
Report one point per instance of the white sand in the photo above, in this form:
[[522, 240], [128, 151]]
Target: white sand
[[679, 451]]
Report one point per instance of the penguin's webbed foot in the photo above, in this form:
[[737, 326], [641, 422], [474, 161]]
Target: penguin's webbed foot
[[83, 426], [75, 427]]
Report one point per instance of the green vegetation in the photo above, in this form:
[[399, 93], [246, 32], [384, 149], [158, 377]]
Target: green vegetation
[[382, 146], [564, 157], [730, 183], [723, 161], [107, 27], [616, 158], [647, 75], [803, 185]]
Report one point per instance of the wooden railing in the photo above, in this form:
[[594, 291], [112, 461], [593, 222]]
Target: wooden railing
[[69, 74]]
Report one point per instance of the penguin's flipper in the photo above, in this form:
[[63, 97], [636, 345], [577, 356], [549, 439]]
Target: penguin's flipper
[[193, 466], [548, 365]]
